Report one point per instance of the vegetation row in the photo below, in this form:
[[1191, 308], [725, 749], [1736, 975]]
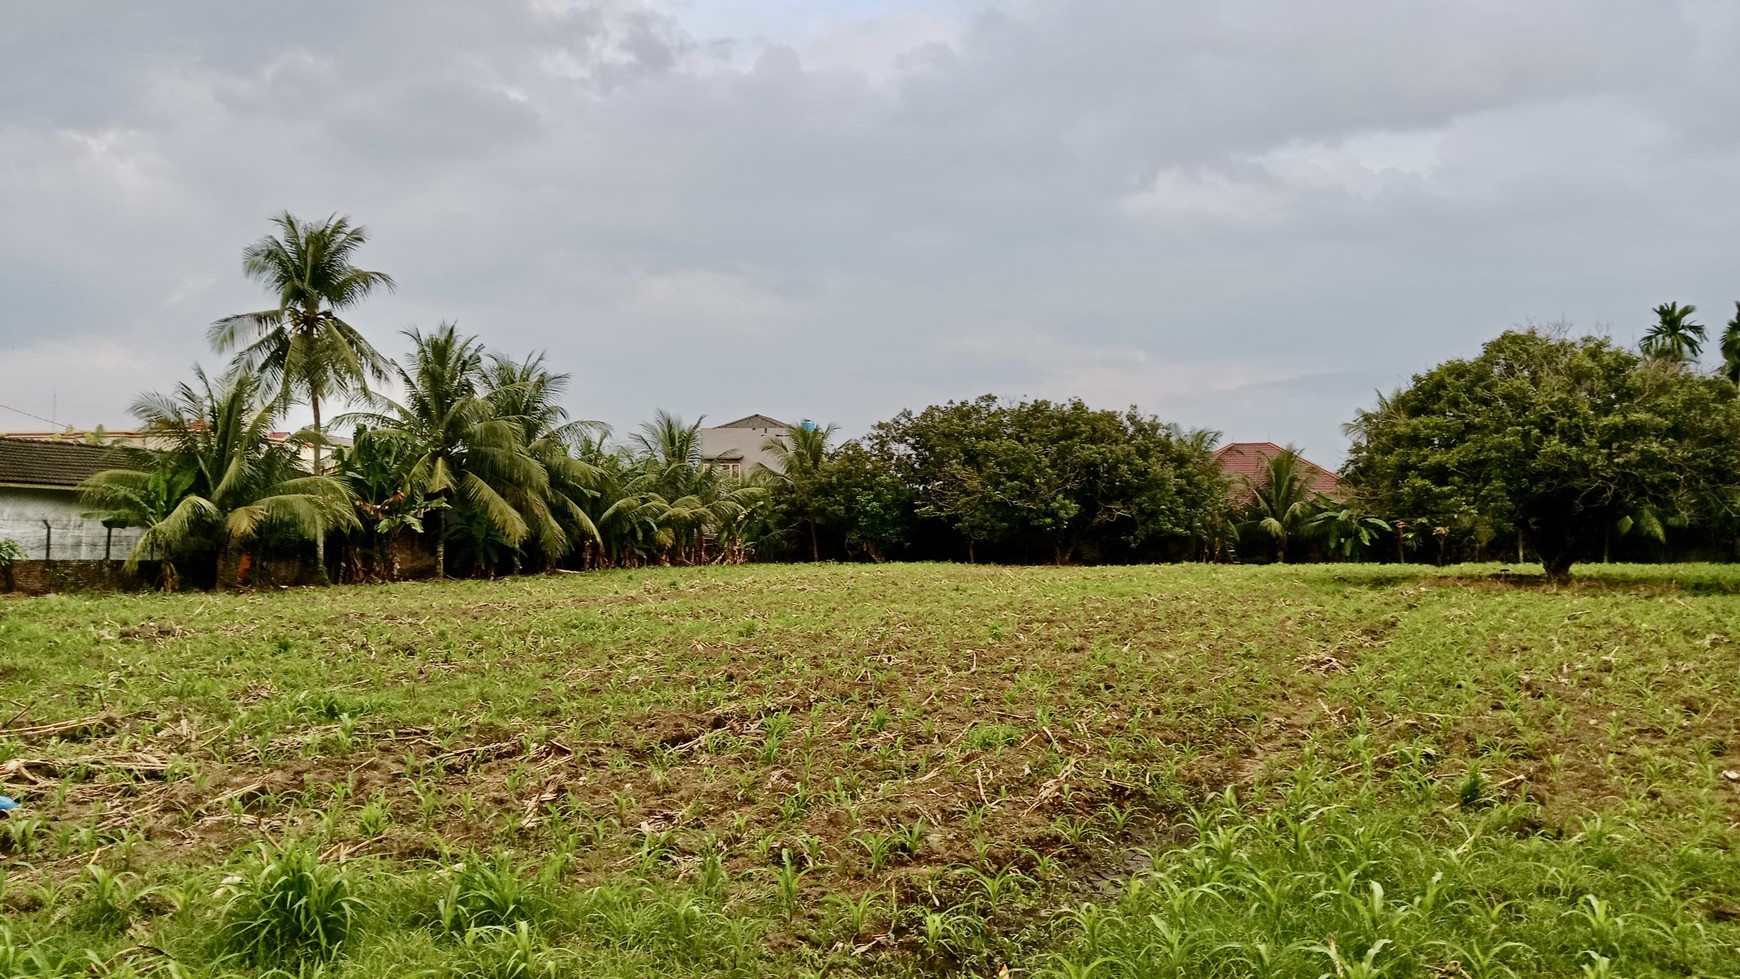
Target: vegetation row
[[1546, 446]]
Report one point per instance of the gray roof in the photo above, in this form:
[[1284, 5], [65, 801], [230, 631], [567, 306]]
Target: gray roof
[[755, 421], [35, 462]]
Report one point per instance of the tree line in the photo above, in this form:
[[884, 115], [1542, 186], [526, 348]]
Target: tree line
[[1554, 443]]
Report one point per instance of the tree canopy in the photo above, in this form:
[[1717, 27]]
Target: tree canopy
[[1562, 439], [1039, 476]]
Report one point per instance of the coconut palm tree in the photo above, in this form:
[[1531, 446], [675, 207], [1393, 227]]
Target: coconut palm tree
[[1674, 337], [690, 501], [155, 503], [799, 455], [373, 466], [466, 453], [302, 347], [528, 394], [1367, 420], [218, 480], [671, 449], [1731, 348], [1281, 503], [1347, 528]]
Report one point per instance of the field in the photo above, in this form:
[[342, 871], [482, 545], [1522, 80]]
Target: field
[[1349, 771]]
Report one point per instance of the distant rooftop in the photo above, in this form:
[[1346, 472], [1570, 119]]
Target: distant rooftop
[[755, 421], [55, 464], [1240, 461]]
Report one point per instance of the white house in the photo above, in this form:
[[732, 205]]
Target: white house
[[737, 445], [39, 501]]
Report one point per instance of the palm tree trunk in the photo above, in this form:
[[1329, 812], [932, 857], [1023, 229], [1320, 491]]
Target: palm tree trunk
[[440, 547], [815, 549], [320, 536]]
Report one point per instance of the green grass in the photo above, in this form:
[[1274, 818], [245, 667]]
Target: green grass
[[900, 770]]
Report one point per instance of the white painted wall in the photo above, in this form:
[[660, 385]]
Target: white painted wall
[[22, 512]]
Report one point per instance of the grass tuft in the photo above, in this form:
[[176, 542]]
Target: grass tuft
[[287, 909]]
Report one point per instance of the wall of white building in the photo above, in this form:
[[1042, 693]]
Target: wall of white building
[[68, 536]]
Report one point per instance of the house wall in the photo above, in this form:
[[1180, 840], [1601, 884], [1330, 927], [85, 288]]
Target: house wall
[[73, 538], [744, 442]]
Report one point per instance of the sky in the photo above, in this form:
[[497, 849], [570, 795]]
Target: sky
[[1242, 215]]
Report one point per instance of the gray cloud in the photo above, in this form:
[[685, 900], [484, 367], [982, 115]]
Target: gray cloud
[[1242, 215]]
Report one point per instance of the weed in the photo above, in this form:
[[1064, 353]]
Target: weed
[[486, 893], [1472, 790], [286, 908], [982, 737]]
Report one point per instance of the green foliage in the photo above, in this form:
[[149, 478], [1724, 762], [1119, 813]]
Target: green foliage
[[467, 454], [1040, 476], [1560, 438], [1730, 348], [859, 496], [487, 893], [1674, 337], [287, 908], [1347, 528], [10, 551], [1280, 505], [801, 457], [681, 501], [218, 480], [302, 347]]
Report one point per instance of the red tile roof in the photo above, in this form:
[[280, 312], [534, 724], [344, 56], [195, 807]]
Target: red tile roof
[[1240, 461]]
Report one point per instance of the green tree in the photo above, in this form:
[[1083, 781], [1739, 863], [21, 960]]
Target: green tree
[[689, 501], [303, 347], [627, 521], [1040, 476], [1346, 528], [375, 466], [10, 552], [467, 455], [1731, 348], [800, 456], [217, 481], [528, 394], [1280, 504], [1674, 337], [1563, 439], [860, 494]]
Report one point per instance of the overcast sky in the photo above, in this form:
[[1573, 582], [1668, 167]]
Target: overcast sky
[[1245, 216]]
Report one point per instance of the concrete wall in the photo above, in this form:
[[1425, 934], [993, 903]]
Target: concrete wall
[[70, 535], [42, 577]]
